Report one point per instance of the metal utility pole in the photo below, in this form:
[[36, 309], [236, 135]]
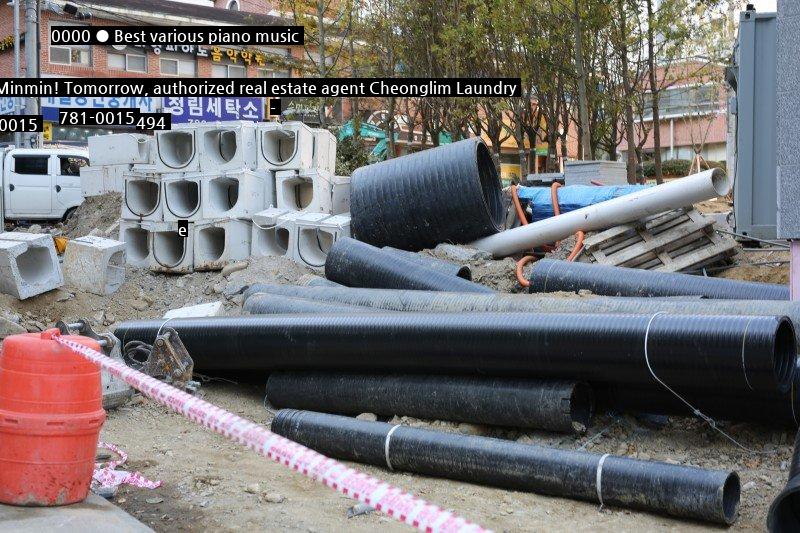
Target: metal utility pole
[[17, 99], [32, 56]]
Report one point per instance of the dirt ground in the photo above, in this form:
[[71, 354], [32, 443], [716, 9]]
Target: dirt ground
[[212, 484]]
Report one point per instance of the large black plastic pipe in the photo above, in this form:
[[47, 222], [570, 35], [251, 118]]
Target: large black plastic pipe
[[564, 406], [716, 353], [549, 275], [445, 194], [784, 513], [684, 491], [357, 264], [274, 304], [404, 300], [445, 267]]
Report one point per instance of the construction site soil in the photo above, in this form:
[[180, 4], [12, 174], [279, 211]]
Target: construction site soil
[[214, 485]]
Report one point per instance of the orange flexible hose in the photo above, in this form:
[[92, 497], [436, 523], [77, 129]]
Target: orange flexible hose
[[521, 279]]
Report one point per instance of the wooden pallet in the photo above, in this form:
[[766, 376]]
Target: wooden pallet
[[674, 241]]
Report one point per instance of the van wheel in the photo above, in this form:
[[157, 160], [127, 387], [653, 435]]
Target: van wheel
[[68, 213]]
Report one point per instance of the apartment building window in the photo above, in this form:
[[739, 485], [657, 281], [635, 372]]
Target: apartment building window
[[178, 66], [73, 54], [684, 100], [228, 71], [131, 60]]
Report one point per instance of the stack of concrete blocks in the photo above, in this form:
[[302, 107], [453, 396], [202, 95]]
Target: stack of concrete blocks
[[312, 204], [605, 172], [28, 264], [214, 177]]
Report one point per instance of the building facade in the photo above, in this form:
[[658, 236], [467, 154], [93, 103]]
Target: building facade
[[99, 61]]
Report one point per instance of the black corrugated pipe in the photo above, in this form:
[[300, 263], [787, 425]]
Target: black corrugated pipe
[[316, 281], [445, 194], [357, 264], [564, 406], [784, 513], [684, 491], [717, 353], [445, 267], [403, 300], [275, 304], [548, 275]]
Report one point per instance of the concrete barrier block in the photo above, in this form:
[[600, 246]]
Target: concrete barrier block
[[182, 194], [197, 311], [316, 236], [309, 190], [234, 194], [285, 146], [28, 264], [340, 195], [177, 150], [94, 264], [141, 197], [92, 181], [120, 149], [137, 238], [169, 251], [324, 150], [221, 242], [227, 146], [273, 233]]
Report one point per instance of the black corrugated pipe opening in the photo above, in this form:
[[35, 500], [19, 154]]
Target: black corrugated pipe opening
[[357, 264], [565, 406], [549, 275], [451, 193], [688, 492], [784, 513], [721, 354]]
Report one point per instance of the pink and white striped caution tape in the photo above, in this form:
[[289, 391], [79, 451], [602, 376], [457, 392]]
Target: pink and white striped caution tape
[[108, 477], [380, 495]]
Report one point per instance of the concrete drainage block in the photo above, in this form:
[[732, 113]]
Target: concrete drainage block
[[226, 146], [286, 146], [340, 195], [176, 150], [120, 149], [169, 251], [324, 150], [221, 242], [182, 196], [272, 233], [28, 264], [235, 194], [136, 237], [316, 233], [95, 265], [309, 190], [141, 198]]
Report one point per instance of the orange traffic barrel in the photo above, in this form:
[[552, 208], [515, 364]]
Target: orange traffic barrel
[[51, 412]]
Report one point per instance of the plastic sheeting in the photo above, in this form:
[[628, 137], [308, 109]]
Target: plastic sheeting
[[570, 198]]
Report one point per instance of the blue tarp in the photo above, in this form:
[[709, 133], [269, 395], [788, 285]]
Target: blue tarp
[[570, 198]]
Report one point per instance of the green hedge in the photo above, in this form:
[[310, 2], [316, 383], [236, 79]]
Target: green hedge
[[677, 167]]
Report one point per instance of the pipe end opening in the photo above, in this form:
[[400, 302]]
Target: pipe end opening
[[720, 181], [581, 407], [490, 185], [784, 513], [785, 354], [731, 494]]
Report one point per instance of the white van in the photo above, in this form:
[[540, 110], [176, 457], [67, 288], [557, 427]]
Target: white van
[[43, 183]]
